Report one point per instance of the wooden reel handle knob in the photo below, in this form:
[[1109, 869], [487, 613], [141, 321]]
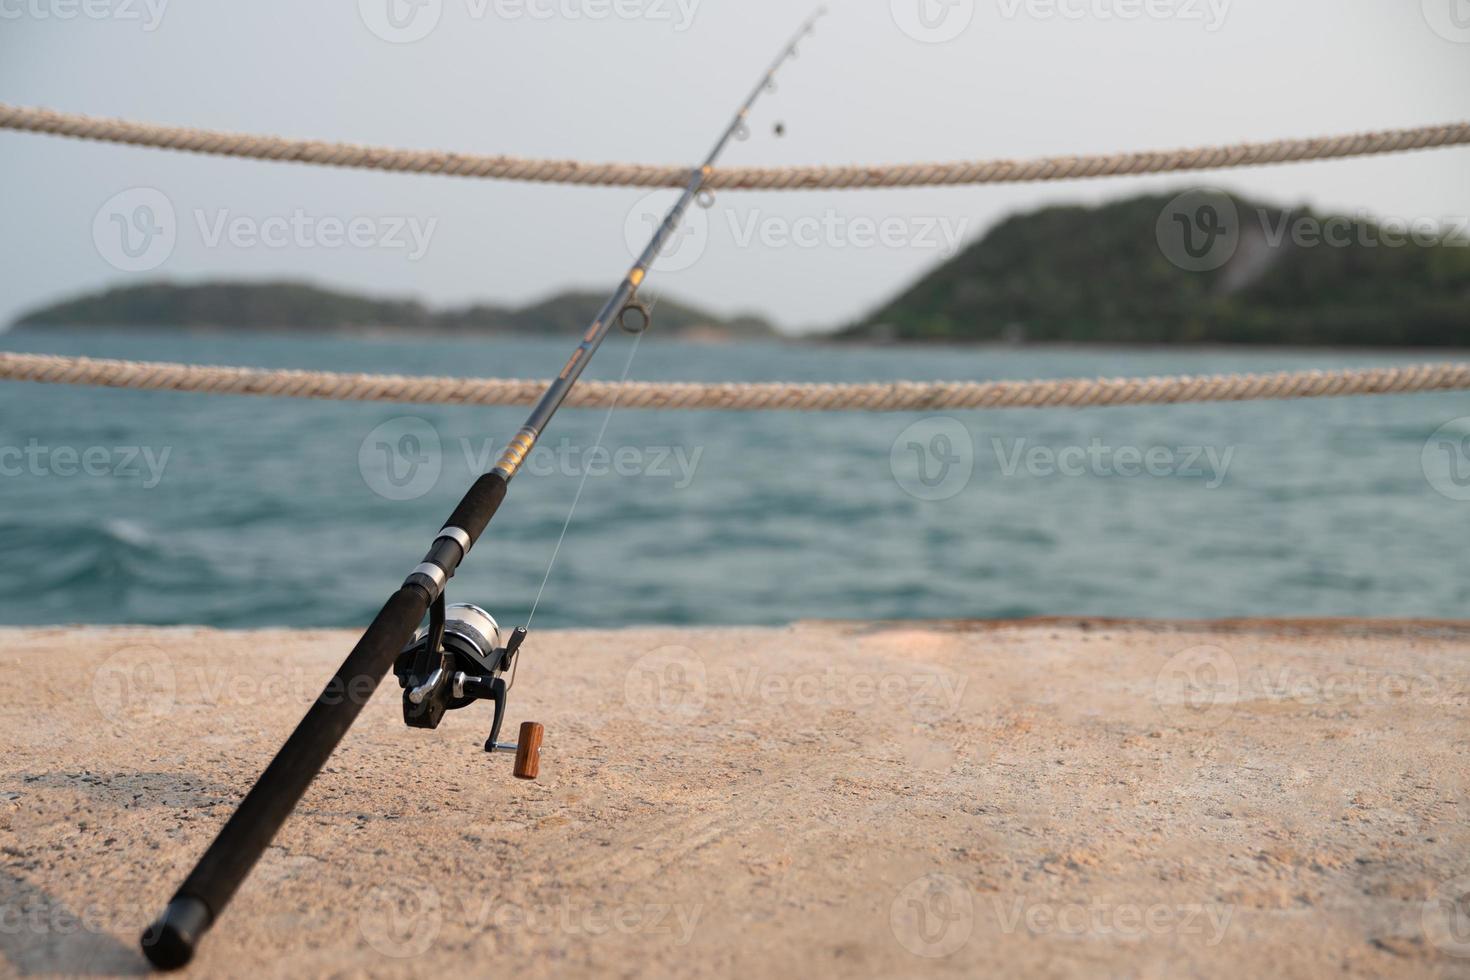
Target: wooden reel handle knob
[[528, 750]]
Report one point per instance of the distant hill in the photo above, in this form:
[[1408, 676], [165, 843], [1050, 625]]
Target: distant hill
[[299, 306], [1112, 274]]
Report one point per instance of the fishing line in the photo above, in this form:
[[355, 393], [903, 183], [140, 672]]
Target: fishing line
[[586, 471]]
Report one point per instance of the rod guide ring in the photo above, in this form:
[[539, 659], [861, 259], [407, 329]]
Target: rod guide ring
[[634, 317]]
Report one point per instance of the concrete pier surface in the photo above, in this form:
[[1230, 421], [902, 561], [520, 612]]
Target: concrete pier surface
[[1041, 798]]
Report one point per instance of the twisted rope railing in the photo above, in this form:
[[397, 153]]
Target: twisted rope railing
[[256, 147], [898, 396]]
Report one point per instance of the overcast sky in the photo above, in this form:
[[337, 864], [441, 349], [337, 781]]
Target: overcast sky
[[654, 81]]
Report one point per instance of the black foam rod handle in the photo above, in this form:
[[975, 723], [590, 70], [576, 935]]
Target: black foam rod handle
[[479, 505], [169, 943]]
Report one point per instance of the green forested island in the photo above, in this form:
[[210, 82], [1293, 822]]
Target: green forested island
[[1113, 274], [1149, 270], [243, 306]]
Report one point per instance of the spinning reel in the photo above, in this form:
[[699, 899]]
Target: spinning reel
[[457, 660]]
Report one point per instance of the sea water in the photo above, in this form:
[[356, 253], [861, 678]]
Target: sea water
[[152, 507]]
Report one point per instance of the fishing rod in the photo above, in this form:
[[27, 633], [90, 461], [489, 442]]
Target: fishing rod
[[453, 661]]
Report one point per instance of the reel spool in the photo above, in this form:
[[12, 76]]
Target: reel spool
[[456, 660]]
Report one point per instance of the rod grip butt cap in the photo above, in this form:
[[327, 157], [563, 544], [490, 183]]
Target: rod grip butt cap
[[169, 943]]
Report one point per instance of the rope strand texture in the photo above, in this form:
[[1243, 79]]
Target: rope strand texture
[[256, 147], [898, 396]]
